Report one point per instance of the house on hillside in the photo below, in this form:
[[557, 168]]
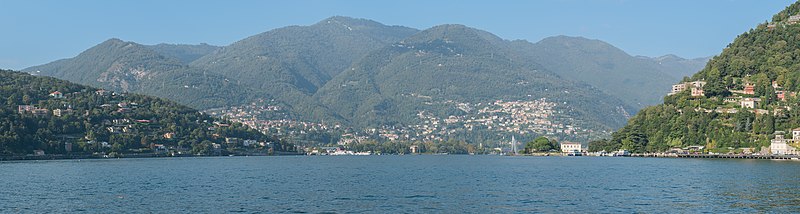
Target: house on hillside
[[796, 135], [793, 19], [169, 135], [696, 88], [248, 143], [25, 108], [40, 112], [57, 95], [57, 112], [698, 92], [232, 140], [61, 112], [677, 88], [750, 102], [781, 95], [749, 89]]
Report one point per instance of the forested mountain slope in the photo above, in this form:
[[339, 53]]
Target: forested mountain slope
[[750, 92]]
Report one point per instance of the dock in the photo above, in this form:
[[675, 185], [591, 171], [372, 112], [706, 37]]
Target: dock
[[721, 156]]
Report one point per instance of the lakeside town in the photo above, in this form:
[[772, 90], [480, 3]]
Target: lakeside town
[[125, 131], [515, 117], [537, 117]]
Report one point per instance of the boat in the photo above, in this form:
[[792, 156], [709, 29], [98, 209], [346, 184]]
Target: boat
[[622, 153]]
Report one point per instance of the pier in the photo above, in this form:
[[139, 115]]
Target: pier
[[722, 156]]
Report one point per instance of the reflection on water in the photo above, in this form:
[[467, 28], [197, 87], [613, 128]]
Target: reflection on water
[[401, 184]]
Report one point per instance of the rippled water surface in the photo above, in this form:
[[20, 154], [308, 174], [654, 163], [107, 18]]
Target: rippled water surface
[[424, 184]]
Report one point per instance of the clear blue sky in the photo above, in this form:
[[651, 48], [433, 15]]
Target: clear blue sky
[[34, 32]]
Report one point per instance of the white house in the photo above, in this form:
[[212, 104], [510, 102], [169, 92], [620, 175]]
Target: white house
[[750, 102], [780, 146], [567, 147], [696, 87]]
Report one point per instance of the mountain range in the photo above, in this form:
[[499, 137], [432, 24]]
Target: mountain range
[[362, 73]]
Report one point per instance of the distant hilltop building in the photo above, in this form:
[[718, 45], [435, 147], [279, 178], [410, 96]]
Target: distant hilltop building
[[696, 87], [57, 95], [793, 19]]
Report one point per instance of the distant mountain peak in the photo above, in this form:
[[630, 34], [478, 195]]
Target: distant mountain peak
[[455, 33], [344, 19], [579, 41], [349, 23], [671, 56], [117, 41], [114, 40]]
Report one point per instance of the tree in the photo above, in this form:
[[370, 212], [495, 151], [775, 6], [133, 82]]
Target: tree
[[540, 144], [716, 86]]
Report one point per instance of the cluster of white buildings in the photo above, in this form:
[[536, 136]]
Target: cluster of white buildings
[[521, 116], [696, 87]]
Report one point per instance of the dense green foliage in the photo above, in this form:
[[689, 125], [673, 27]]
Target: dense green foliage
[[541, 144], [89, 117], [404, 147], [759, 57]]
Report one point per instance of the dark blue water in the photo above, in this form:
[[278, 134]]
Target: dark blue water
[[416, 184]]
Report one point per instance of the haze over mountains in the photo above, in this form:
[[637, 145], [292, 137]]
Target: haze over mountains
[[362, 73]]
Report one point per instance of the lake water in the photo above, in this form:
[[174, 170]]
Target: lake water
[[415, 184]]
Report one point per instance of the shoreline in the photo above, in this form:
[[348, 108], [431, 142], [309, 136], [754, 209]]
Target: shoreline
[[718, 156], [125, 156], [155, 155]]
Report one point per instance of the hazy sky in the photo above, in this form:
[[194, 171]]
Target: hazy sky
[[34, 32]]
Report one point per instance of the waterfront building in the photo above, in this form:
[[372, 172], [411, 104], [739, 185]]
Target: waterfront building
[[780, 146], [567, 147]]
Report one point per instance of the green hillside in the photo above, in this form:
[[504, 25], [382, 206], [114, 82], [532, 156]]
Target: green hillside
[[130, 67], [744, 71], [456, 64], [59, 117], [292, 63], [638, 82], [184, 53]]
